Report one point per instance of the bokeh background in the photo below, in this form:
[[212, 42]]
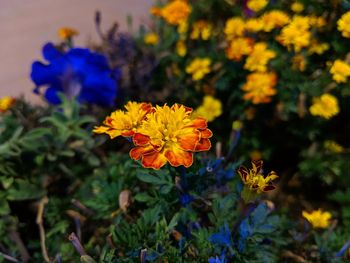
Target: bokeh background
[[26, 25]]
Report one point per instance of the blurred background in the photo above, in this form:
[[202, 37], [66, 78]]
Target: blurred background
[[26, 25]]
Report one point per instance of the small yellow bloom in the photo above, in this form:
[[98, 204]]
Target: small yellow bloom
[[340, 71], [201, 30], [344, 25], [297, 7], [198, 68], [176, 12], [181, 48], [325, 106], [254, 180], [234, 27], [66, 33], [333, 146], [317, 21], [317, 48], [151, 39], [238, 48], [259, 87], [210, 109], [274, 19], [237, 125], [259, 58], [182, 29], [6, 103], [318, 218], [254, 25], [297, 34], [125, 123], [256, 5], [299, 62]]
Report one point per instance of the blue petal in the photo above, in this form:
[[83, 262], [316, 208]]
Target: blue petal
[[50, 52], [51, 95], [42, 74]]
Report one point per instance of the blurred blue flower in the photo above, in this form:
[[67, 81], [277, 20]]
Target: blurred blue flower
[[186, 199], [221, 238], [217, 259], [77, 73]]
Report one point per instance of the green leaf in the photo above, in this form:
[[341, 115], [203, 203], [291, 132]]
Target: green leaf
[[23, 190]]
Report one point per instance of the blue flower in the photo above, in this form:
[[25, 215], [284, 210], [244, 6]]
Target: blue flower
[[221, 238], [217, 259], [76, 73], [186, 199]]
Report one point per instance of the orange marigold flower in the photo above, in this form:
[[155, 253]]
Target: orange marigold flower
[[259, 58], [176, 12], [170, 134], [67, 33], [234, 27], [6, 103], [259, 87], [239, 47], [121, 123], [274, 19]]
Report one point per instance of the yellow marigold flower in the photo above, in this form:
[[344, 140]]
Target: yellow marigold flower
[[258, 59], [296, 34], [299, 62], [210, 109], [170, 134], [201, 30], [254, 25], [181, 48], [344, 25], [317, 48], [67, 33], [255, 180], [198, 68], [182, 28], [333, 146], [259, 87], [234, 27], [325, 106], [340, 71], [121, 123], [318, 218], [256, 5], [6, 103], [317, 21], [151, 39], [274, 19], [176, 12], [238, 48], [297, 7]]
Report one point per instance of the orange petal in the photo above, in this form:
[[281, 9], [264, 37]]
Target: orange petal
[[203, 145], [137, 152], [205, 134], [188, 139], [154, 160], [128, 133], [199, 123], [179, 157], [140, 139]]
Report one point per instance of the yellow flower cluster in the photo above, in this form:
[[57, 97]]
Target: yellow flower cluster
[[259, 57], [317, 48], [344, 25], [318, 218], [201, 30], [234, 27], [259, 87], [151, 39], [325, 106], [296, 35], [198, 68], [274, 19], [6, 103], [210, 109], [66, 33], [256, 5], [174, 13], [340, 71]]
